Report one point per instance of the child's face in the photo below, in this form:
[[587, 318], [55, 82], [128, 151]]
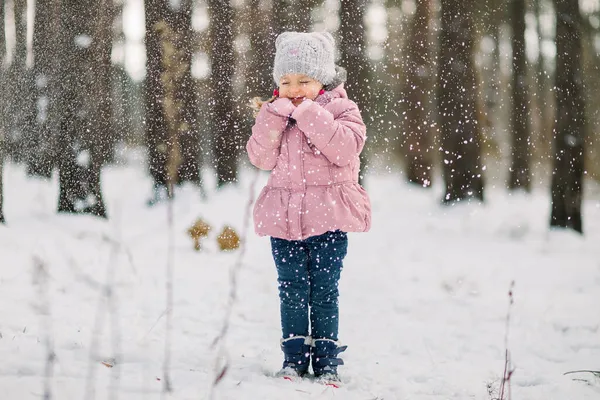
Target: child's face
[[298, 87]]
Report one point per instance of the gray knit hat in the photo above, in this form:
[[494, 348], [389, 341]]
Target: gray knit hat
[[311, 54]]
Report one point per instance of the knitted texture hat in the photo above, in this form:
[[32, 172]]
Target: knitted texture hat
[[311, 54]]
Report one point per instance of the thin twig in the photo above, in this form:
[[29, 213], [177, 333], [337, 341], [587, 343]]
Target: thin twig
[[596, 373], [115, 337], [167, 388], [41, 277], [221, 370], [106, 302], [507, 368]]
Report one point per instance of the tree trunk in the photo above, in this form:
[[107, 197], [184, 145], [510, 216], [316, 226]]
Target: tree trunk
[[41, 163], [259, 77], [353, 58], [2, 35], [189, 131], [292, 15], [569, 131], [101, 138], [19, 109], [79, 185], [154, 93], [544, 95], [417, 140], [2, 99], [226, 139], [175, 26], [520, 175], [457, 105]]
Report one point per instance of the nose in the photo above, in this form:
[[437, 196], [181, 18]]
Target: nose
[[294, 89]]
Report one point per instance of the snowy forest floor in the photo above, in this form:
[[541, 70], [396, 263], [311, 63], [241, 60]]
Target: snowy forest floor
[[424, 297]]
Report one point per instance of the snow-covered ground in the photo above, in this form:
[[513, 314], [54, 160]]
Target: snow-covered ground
[[424, 298]]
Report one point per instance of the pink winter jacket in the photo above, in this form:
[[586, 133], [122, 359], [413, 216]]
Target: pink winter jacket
[[313, 187]]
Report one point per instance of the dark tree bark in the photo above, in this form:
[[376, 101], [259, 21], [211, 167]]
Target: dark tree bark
[[259, 78], [79, 185], [2, 34], [520, 175], [569, 130], [417, 140], [353, 57], [42, 160], [292, 15], [171, 29], [101, 136], [156, 126], [457, 105], [20, 109], [226, 140], [189, 169], [544, 95], [2, 104]]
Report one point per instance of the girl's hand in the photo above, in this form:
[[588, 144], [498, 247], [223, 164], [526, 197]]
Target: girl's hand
[[282, 106]]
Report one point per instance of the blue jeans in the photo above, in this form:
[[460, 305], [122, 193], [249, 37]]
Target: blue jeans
[[308, 274]]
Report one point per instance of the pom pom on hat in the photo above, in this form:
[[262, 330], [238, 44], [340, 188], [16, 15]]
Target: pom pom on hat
[[311, 54]]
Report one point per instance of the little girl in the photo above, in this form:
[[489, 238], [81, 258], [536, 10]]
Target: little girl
[[309, 135]]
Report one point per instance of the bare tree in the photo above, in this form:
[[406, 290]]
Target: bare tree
[[354, 59], [2, 105], [226, 140], [160, 15], [19, 109], [544, 95], [259, 78], [189, 169], [79, 187], [520, 176], [101, 136], [457, 105], [569, 130], [156, 128], [41, 161], [418, 85], [292, 16]]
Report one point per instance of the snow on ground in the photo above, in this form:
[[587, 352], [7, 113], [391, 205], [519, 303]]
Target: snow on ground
[[424, 298]]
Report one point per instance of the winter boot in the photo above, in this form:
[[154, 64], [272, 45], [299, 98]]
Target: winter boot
[[325, 359], [296, 351]]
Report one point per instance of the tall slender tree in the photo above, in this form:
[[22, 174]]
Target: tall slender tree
[[42, 158], [79, 188], [354, 58], [460, 135], [569, 130], [292, 16], [189, 169], [2, 33], [155, 123], [543, 82], [259, 78], [520, 175], [417, 135], [18, 110], [226, 138], [2, 105], [101, 134], [162, 16]]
